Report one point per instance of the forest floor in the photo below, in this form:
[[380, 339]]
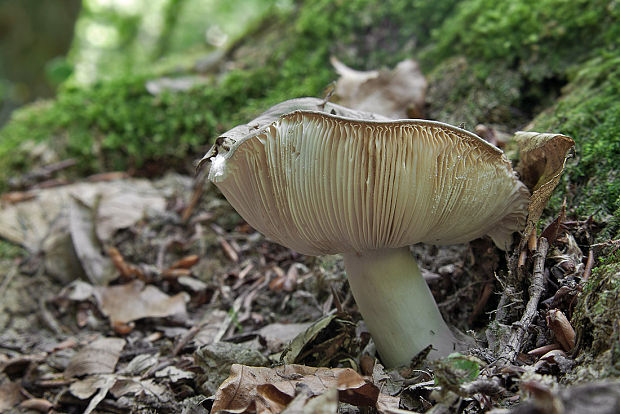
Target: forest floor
[[138, 295]]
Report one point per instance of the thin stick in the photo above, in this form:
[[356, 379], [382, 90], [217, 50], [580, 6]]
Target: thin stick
[[519, 329]]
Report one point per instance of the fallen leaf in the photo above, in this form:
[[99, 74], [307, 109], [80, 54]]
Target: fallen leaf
[[212, 327], [98, 357], [337, 342], [216, 360], [137, 386], [174, 374], [98, 268], [278, 335], [552, 231], [186, 262], [37, 404], [134, 300], [10, 396], [45, 211], [140, 364], [562, 329], [398, 93], [541, 162], [306, 403], [270, 390]]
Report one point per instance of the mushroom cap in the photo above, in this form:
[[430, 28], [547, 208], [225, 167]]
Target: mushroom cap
[[321, 183]]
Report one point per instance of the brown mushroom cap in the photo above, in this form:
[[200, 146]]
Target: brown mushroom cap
[[323, 184]]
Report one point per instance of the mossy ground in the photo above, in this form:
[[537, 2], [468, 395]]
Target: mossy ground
[[596, 319]]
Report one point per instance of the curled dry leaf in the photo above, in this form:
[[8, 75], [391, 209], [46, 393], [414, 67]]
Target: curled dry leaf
[[398, 93], [562, 329], [134, 300], [98, 357], [186, 262], [270, 390], [541, 163]]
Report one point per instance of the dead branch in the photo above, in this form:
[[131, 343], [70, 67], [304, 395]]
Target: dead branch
[[519, 329]]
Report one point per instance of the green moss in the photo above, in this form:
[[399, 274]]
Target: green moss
[[9, 250], [458, 95], [589, 113], [596, 321], [540, 38]]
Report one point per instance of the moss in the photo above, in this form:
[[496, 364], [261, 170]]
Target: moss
[[9, 250], [458, 95], [596, 321], [537, 38], [590, 115]]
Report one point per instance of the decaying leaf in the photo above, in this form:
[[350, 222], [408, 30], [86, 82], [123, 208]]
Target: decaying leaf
[[278, 335], [541, 163], [216, 361], [306, 403], [128, 302], [45, 211], [562, 329], [98, 268], [271, 390], [137, 386], [134, 300], [337, 342], [174, 374], [98, 357], [398, 93], [10, 396], [87, 387]]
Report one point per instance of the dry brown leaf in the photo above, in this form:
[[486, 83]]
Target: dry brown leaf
[[10, 396], [561, 327], [186, 262], [137, 386], [278, 335], [270, 390], [304, 402], [541, 163], [37, 404], [98, 268], [98, 357], [134, 300], [127, 270], [552, 231], [397, 93], [121, 203]]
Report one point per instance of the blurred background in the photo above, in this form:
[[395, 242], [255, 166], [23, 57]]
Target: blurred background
[[44, 43]]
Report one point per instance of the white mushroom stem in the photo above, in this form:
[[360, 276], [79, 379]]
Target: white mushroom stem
[[397, 305]]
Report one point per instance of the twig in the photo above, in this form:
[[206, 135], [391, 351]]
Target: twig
[[589, 264], [519, 329]]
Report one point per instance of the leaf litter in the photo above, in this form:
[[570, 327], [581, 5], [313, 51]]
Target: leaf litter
[[162, 298]]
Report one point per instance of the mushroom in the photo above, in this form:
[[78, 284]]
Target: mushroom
[[323, 179]]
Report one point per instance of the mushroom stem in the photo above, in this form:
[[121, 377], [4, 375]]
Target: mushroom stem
[[397, 305]]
